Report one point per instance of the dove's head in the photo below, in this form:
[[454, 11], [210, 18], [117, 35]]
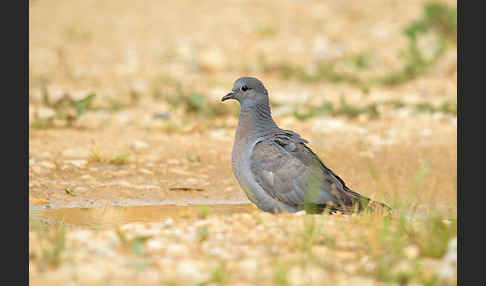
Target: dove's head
[[249, 91]]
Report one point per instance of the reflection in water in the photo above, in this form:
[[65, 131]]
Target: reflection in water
[[115, 215]]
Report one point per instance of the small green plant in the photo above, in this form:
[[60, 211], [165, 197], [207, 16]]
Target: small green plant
[[352, 111], [219, 275], [324, 109], [202, 232], [448, 107], [52, 243], [135, 245], [266, 30], [311, 231], [66, 108], [114, 103], [258, 219], [439, 17], [134, 96], [396, 103], [198, 104], [96, 155], [120, 159], [193, 158], [422, 171], [138, 244], [281, 274], [204, 212], [386, 249], [121, 236], [362, 60], [83, 104], [433, 236], [195, 102], [344, 109], [57, 241], [424, 107], [69, 192]]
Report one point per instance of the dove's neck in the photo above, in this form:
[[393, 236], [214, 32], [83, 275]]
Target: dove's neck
[[254, 121]]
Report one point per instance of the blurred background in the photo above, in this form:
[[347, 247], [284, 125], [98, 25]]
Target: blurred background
[[125, 111]]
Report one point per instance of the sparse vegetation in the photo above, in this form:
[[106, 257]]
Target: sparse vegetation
[[69, 192], [266, 30], [51, 244], [203, 233], [437, 18], [372, 110], [135, 245], [194, 103], [120, 159], [387, 247], [66, 108], [98, 156], [219, 275], [281, 274], [204, 211]]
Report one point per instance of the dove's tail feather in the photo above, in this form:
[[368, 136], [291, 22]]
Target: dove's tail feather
[[358, 205], [349, 202], [362, 203]]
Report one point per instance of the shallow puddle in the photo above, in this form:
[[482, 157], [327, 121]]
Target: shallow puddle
[[116, 215]]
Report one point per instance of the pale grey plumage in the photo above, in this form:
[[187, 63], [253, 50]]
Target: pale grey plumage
[[275, 167]]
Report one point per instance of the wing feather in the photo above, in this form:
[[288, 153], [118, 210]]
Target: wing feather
[[290, 172]]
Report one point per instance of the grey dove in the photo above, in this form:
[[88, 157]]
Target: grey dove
[[276, 168]]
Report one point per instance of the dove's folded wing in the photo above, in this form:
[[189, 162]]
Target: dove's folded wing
[[291, 173]]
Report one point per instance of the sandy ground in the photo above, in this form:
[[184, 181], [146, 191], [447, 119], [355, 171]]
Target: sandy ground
[[134, 148]]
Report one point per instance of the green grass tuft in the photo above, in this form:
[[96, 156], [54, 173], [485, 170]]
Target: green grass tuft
[[120, 159]]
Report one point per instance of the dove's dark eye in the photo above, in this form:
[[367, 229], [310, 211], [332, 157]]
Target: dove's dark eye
[[244, 88]]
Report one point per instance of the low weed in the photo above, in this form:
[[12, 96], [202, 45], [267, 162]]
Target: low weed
[[194, 103], [66, 108], [51, 240], [120, 159], [349, 110], [135, 245]]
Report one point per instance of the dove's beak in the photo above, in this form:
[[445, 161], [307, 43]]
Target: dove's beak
[[230, 95]]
